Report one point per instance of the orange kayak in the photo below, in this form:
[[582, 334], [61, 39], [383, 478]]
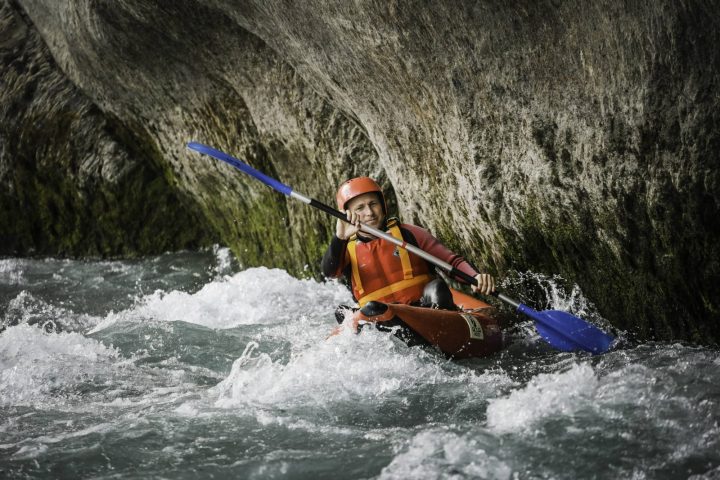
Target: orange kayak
[[471, 331]]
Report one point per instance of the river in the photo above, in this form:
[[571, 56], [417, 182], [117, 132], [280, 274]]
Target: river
[[185, 366]]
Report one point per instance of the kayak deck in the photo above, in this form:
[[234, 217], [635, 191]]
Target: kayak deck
[[472, 331]]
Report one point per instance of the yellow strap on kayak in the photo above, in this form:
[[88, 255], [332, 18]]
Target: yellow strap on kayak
[[394, 287]]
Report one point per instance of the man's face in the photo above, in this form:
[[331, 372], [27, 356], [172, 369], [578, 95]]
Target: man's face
[[368, 207]]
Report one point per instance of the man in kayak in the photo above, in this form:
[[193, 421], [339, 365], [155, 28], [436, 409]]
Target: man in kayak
[[380, 271]]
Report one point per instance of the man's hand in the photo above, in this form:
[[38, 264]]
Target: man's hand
[[485, 284], [344, 230]]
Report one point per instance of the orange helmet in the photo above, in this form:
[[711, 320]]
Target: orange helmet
[[356, 187]]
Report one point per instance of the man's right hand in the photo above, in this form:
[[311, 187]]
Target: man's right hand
[[344, 230], [485, 284]]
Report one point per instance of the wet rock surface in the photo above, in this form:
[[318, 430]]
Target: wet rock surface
[[75, 179], [578, 139]]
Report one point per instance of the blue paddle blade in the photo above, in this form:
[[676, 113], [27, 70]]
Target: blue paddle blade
[[567, 332], [243, 167]]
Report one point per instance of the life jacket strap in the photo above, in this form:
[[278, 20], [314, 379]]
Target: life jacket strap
[[394, 287], [393, 227], [402, 253], [352, 251]]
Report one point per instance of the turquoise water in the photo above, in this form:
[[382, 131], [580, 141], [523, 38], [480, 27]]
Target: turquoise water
[[180, 366]]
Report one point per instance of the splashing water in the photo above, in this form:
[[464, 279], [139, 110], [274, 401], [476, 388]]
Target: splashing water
[[178, 366]]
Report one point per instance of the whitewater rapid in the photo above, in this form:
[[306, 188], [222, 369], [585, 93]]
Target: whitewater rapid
[[180, 366]]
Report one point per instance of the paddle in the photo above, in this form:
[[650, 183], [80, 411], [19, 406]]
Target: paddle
[[560, 329]]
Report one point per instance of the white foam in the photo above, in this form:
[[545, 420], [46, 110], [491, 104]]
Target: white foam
[[336, 370], [11, 271], [253, 296], [33, 363], [25, 308], [556, 295], [344, 368], [546, 395], [224, 260], [441, 454]]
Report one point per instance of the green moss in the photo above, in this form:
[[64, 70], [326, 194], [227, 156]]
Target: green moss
[[47, 211]]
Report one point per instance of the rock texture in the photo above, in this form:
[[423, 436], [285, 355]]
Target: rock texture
[[577, 138], [75, 180]]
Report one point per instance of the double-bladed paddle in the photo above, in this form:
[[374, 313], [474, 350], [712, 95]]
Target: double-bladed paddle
[[560, 329]]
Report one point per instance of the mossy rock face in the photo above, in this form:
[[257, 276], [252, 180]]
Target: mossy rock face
[[635, 292], [564, 138], [76, 181]]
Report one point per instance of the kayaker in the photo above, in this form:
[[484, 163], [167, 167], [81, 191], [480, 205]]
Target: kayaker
[[377, 269]]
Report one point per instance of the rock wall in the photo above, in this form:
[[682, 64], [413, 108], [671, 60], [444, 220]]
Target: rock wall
[[74, 179], [577, 138], [181, 72]]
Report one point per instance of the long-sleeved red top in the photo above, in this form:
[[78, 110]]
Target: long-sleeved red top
[[336, 264]]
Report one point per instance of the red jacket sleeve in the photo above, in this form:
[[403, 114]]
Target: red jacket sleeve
[[432, 245]]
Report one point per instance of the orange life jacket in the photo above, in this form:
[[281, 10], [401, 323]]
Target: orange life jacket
[[384, 272]]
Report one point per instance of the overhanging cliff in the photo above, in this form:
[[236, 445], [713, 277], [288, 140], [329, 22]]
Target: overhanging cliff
[[571, 138]]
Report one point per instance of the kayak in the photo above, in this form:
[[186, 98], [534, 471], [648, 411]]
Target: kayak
[[469, 332]]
